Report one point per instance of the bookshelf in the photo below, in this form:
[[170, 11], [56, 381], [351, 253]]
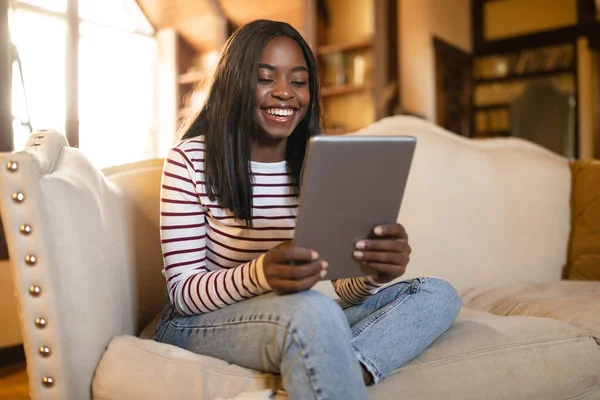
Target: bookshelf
[[500, 79], [355, 42]]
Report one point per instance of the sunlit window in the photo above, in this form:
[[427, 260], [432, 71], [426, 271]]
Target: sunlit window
[[116, 94], [52, 5], [20, 111], [41, 43], [121, 14], [117, 55]]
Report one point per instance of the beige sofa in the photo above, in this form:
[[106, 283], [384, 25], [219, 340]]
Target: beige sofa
[[492, 217]]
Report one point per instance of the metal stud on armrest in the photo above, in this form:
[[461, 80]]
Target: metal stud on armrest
[[18, 197], [40, 323], [25, 229], [35, 290], [45, 351], [12, 166], [48, 382], [30, 260]]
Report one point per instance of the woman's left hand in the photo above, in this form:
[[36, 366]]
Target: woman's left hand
[[386, 251]]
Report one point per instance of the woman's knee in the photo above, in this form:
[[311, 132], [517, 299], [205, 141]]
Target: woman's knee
[[444, 297]]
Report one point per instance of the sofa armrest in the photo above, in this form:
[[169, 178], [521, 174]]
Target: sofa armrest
[[85, 254]]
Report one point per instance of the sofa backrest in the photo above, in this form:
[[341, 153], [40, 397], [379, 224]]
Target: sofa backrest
[[482, 212], [85, 253]]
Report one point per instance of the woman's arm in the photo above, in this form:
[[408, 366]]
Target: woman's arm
[[355, 290], [192, 288]]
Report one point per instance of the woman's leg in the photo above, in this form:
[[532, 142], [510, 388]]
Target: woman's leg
[[399, 322], [305, 337]]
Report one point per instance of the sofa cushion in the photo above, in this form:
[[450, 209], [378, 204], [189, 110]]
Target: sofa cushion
[[495, 357], [575, 302], [584, 246]]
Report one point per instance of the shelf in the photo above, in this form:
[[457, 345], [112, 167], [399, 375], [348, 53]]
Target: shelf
[[192, 77], [348, 46], [491, 107], [527, 75], [343, 89]]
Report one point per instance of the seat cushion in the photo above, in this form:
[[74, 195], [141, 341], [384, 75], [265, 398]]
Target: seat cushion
[[481, 356], [575, 302]]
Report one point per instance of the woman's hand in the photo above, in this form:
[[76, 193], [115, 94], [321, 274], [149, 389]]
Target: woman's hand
[[290, 269], [386, 251]]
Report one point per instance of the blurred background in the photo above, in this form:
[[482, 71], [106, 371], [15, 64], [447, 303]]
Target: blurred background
[[120, 77]]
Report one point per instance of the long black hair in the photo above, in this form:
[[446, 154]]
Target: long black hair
[[228, 120]]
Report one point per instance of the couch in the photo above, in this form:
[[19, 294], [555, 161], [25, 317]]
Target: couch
[[492, 217]]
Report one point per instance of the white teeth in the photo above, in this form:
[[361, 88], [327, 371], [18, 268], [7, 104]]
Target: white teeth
[[280, 112]]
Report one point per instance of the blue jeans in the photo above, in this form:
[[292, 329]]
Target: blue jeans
[[315, 342]]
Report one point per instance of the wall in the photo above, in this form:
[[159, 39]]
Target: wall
[[419, 21], [509, 18]]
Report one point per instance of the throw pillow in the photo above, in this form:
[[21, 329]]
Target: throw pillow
[[584, 246]]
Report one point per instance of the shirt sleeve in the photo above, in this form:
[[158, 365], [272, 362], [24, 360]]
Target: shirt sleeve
[[356, 290], [192, 287]]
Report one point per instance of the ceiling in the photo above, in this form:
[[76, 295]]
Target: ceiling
[[201, 22]]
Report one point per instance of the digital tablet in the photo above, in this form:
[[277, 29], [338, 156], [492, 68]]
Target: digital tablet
[[350, 184]]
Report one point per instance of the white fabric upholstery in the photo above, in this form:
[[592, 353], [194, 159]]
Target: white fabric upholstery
[[98, 258], [575, 302], [482, 212], [469, 209], [483, 356]]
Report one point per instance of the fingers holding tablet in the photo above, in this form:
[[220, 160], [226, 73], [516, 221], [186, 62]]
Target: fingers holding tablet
[[394, 230], [291, 269], [387, 252]]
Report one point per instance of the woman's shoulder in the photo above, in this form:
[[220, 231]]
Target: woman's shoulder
[[191, 150]]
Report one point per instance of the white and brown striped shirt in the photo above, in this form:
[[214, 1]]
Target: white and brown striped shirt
[[211, 259]]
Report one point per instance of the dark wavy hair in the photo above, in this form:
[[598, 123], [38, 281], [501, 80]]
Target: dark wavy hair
[[228, 120]]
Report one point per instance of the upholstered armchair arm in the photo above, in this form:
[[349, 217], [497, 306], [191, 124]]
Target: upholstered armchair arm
[[85, 255]]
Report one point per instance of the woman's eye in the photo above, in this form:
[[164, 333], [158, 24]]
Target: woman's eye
[[299, 83], [264, 81]]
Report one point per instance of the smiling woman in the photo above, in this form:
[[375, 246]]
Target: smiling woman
[[271, 70]]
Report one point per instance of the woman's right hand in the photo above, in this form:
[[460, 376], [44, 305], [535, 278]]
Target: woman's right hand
[[290, 269]]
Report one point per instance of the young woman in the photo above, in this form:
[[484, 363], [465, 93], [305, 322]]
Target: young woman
[[238, 291]]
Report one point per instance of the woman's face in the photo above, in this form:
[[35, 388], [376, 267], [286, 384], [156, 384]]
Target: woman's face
[[282, 90]]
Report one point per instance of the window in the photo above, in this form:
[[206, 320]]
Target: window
[[41, 42], [52, 5], [116, 94], [116, 67]]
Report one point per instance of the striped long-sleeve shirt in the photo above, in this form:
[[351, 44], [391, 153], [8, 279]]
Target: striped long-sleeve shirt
[[211, 259]]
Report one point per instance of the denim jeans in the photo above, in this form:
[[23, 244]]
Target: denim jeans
[[314, 342]]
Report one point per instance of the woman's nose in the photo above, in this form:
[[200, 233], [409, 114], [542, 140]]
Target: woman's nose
[[282, 91]]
